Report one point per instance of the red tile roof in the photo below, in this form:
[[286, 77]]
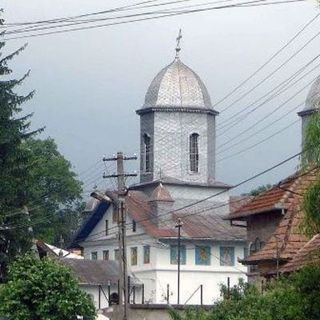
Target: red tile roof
[[139, 209], [309, 253], [275, 198], [287, 239]]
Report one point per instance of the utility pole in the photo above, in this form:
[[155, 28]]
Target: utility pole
[[179, 225], [121, 214]]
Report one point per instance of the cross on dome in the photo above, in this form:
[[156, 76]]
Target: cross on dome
[[178, 48]]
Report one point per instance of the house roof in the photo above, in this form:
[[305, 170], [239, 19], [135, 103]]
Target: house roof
[[55, 251], [208, 225], [287, 239], [93, 272], [274, 199], [94, 217], [309, 253]]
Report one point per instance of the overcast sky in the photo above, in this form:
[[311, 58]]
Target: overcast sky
[[89, 83]]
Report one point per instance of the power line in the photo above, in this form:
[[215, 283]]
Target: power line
[[269, 114], [266, 63], [219, 193], [273, 72], [238, 5], [258, 143], [282, 87]]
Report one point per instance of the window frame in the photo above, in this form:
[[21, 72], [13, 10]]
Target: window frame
[[132, 250], [94, 254], [194, 152], [106, 253], [134, 225], [106, 227], [147, 153]]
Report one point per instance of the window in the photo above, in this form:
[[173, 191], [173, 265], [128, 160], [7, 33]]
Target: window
[[94, 255], [116, 254], [115, 215], [203, 255], [146, 254], [226, 256], [174, 254], [147, 152], [194, 152], [107, 227], [134, 256], [245, 252], [134, 226], [105, 254]]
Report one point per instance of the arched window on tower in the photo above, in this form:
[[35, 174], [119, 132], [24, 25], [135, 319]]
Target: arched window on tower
[[147, 152], [194, 152]]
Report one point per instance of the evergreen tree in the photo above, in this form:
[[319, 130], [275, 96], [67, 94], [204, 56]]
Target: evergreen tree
[[14, 129]]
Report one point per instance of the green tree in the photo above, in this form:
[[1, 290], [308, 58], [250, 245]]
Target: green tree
[[311, 158], [43, 289], [258, 190], [296, 297], [37, 186], [14, 129], [53, 192]]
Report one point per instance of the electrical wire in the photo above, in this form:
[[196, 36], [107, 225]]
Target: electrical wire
[[238, 5], [300, 31]]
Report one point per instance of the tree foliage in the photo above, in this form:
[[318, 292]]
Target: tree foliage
[[37, 185], [311, 158], [14, 129], [43, 289], [258, 190], [296, 297], [54, 187]]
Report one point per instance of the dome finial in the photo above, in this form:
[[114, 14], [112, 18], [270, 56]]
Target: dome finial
[[178, 48]]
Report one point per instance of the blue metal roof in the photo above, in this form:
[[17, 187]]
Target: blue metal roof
[[89, 224]]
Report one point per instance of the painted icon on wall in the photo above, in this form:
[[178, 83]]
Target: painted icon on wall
[[226, 256], [134, 256], [146, 254], [174, 254], [203, 255]]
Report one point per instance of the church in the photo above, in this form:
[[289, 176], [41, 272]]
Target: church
[[177, 183]]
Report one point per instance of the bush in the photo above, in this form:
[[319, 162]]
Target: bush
[[43, 289]]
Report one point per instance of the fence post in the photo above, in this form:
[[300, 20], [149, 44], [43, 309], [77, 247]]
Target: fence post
[[168, 293], [201, 294], [119, 292], [142, 293], [109, 292], [129, 284], [228, 283]]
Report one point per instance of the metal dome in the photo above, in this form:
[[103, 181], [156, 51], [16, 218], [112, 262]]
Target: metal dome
[[177, 86], [313, 98]]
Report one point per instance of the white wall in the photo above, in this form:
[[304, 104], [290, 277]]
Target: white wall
[[160, 272]]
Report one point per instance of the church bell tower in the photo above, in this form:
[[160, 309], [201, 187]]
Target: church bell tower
[[177, 127]]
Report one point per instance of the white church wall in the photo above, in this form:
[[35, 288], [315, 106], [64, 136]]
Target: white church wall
[[171, 145], [197, 193]]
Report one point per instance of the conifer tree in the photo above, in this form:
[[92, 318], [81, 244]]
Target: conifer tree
[[14, 129]]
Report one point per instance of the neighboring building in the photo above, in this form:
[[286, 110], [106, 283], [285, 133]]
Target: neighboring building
[[273, 221], [276, 242], [308, 254], [177, 138], [99, 279]]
